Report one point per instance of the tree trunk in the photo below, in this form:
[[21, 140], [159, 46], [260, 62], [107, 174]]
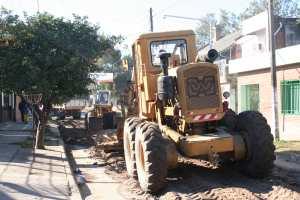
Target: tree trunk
[[39, 142]]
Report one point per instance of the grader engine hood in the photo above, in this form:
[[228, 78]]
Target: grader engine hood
[[199, 92]]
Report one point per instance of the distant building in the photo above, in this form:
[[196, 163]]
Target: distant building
[[249, 68]]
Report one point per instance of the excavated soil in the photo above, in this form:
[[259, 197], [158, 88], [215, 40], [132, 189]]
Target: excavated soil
[[198, 180]]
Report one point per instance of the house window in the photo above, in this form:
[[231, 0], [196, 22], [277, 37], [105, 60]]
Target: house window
[[290, 97], [250, 97], [290, 40]]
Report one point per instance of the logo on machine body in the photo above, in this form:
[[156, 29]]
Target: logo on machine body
[[201, 86]]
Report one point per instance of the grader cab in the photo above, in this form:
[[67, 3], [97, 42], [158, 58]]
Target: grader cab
[[180, 111]]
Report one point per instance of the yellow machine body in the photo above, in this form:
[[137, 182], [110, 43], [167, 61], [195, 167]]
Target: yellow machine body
[[198, 95]]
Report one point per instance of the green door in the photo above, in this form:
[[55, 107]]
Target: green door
[[250, 97]]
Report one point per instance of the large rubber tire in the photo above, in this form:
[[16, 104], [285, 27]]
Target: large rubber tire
[[258, 139], [151, 157], [129, 132], [229, 120]]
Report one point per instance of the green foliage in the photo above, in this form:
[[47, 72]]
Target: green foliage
[[121, 82], [283, 8], [121, 79], [227, 23], [204, 28], [110, 61], [50, 55], [104, 86]]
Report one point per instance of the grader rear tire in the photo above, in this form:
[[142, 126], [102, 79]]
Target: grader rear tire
[[130, 125], [151, 157], [259, 144]]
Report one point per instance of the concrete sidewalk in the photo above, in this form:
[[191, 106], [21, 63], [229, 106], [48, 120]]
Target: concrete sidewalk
[[98, 184], [44, 174]]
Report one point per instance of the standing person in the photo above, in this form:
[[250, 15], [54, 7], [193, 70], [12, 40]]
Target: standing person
[[24, 110]]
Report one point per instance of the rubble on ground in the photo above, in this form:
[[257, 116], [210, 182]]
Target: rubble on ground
[[109, 149]]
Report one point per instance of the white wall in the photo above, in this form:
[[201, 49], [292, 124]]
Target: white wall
[[254, 43], [262, 38], [255, 31], [284, 56], [249, 45], [255, 23]]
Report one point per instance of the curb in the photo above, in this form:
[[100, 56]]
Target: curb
[[75, 192]]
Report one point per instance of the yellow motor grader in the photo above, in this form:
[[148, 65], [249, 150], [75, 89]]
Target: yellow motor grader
[[180, 111]]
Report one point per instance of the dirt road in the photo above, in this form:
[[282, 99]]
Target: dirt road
[[197, 180]]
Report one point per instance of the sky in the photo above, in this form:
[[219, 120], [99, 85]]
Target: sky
[[129, 18]]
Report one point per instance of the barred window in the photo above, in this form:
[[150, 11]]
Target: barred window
[[290, 97]]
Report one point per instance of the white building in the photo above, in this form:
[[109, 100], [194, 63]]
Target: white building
[[249, 67]]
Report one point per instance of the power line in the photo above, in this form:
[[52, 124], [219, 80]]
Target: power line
[[171, 5], [180, 17]]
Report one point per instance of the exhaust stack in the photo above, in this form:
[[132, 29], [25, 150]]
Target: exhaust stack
[[210, 56]]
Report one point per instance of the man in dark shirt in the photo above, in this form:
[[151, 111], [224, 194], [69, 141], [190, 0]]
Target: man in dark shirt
[[23, 109]]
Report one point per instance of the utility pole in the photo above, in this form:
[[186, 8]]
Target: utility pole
[[38, 6], [273, 69], [151, 20]]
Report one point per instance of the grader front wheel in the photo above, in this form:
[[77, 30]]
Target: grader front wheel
[[151, 157]]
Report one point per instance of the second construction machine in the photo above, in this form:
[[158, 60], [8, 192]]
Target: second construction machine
[[180, 111]]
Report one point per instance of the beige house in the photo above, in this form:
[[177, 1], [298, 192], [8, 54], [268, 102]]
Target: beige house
[[251, 72]]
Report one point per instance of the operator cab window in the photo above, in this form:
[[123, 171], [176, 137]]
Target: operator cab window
[[177, 48]]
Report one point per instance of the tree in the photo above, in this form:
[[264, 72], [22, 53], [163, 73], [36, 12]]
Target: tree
[[227, 23], [283, 8], [51, 56], [204, 28], [111, 60], [122, 78], [121, 82]]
